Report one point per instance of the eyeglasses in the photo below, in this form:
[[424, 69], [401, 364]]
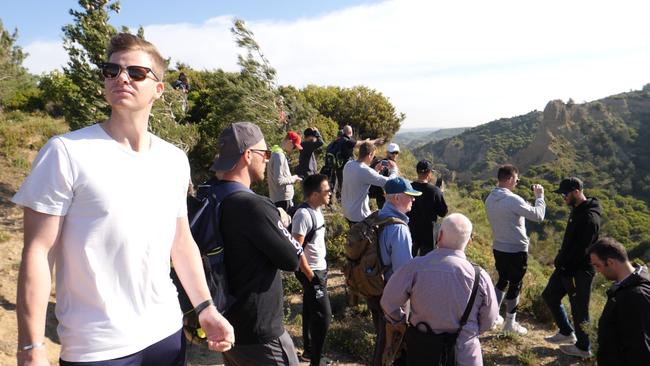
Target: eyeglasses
[[136, 73], [265, 153], [394, 152]]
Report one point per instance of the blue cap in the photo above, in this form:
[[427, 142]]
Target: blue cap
[[400, 185]]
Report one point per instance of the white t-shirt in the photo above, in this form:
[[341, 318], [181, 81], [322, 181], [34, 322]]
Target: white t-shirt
[[114, 296], [315, 251]]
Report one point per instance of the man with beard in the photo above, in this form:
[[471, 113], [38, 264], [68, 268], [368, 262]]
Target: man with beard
[[624, 326], [574, 273], [256, 247]]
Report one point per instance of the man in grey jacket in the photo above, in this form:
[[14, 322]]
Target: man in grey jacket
[[280, 179], [507, 212]]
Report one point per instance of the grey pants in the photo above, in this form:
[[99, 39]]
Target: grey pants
[[277, 352]]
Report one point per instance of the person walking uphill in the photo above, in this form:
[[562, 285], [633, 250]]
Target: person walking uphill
[[438, 286], [113, 233], [574, 274], [280, 179], [624, 326], [507, 212], [256, 247]]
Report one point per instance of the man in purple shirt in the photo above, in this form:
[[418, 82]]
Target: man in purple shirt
[[438, 286]]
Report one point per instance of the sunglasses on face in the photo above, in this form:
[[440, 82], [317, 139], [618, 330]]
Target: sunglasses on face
[[137, 73], [265, 153], [395, 153]]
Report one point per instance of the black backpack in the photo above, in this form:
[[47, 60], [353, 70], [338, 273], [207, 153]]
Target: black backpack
[[204, 216]]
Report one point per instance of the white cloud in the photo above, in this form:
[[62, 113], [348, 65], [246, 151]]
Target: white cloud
[[444, 64], [45, 56]]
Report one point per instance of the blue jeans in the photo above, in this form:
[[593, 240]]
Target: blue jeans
[[578, 287]]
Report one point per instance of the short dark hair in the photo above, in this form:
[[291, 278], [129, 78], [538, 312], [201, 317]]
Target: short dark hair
[[312, 183], [366, 149], [506, 172], [607, 248]]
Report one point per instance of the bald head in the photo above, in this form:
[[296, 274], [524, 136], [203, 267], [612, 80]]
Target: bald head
[[455, 232], [347, 130]]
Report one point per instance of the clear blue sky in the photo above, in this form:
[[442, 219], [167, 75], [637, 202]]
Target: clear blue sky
[[42, 19]]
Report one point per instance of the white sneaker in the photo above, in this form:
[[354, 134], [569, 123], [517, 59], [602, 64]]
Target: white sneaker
[[498, 322], [572, 350], [560, 338], [511, 326]]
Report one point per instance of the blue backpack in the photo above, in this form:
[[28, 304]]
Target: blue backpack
[[204, 214]]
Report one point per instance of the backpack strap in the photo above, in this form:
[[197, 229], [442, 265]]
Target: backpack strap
[[312, 230], [472, 297], [381, 224], [218, 193]]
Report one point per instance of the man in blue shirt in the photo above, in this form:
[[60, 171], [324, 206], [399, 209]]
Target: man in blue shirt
[[394, 246]]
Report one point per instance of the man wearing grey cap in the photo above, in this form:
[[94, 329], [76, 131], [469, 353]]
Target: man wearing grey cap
[[574, 273], [256, 247]]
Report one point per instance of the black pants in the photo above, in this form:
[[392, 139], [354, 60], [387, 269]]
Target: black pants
[[167, 352], [316, 313], [422, 236], [285, 205], [578, 287], [511, 268]]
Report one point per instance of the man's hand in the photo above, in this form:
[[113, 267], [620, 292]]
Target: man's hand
[[538, 190], [221, 336], [33, 357]]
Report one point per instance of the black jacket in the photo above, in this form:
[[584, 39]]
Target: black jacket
[[581, 231], [624, 326]]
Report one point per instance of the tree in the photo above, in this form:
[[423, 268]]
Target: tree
[[86, 40], [368, 111], [15, 81]]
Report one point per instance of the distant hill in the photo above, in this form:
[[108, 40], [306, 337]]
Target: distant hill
[[416, 137], [604, 141]]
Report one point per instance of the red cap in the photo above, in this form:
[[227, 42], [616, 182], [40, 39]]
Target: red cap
[[295, 139]]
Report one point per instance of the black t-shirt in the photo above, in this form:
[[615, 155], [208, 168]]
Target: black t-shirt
[[427, 207], [347, 148], [307, 160], [257, 247]]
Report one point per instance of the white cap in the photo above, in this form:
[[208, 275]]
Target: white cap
[[393, 147]]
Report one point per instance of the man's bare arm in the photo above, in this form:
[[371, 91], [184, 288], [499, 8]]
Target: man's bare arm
[[41, 235]]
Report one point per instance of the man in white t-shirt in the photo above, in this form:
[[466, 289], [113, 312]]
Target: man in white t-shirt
[[106, 204], [308, 228]]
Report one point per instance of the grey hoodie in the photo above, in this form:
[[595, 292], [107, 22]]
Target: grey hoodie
[[507, 212]]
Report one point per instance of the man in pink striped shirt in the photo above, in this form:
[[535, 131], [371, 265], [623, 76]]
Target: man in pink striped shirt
[[438, 286]]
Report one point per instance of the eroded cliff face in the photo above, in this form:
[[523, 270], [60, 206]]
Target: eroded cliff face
[[563, 132]]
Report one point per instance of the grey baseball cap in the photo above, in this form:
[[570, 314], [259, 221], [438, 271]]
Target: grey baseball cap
[[233, 141]]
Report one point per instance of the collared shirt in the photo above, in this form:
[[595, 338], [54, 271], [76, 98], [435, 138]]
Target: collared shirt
[[394, 241], [438, 286]]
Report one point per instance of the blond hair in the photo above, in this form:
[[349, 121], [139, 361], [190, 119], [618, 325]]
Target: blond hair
[[128, 42]]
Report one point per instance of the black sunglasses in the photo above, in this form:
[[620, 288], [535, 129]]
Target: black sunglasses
[[137, 73], [266, 153]]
